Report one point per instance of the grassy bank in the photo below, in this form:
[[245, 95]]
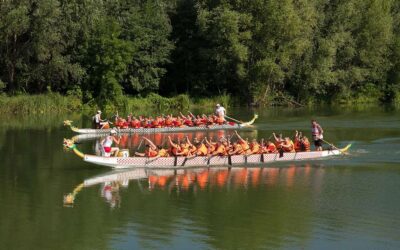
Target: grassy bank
[[56, 103], [38, 104], [153, 103]]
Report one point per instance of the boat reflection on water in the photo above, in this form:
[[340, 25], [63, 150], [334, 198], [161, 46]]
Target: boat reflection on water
[[176, 181], [135, 141]]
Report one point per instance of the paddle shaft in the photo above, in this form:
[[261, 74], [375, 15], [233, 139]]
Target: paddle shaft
[[233, 119], [330, 144]]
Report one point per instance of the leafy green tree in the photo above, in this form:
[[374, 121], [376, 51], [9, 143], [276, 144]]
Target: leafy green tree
[[14, 25], [107, 60], [226, 32]]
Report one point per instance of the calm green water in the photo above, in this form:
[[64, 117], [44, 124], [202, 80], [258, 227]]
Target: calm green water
[[347, 202]]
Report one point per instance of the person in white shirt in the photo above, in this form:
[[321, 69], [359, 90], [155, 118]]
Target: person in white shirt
[[317, 135], [108, 142], [220, 111]]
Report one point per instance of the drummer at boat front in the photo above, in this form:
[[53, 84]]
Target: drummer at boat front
[[99, 123], [317, 135], [108, 142]]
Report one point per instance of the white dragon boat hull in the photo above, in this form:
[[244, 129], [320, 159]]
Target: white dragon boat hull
[[203, 161], [160, 130]]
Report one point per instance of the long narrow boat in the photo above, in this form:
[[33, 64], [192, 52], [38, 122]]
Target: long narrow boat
[[181, 161], [161, 130]]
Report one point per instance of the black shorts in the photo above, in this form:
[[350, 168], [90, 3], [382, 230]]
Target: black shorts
[[318, 143]]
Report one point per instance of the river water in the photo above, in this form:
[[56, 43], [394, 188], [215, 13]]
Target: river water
[[345, 202]]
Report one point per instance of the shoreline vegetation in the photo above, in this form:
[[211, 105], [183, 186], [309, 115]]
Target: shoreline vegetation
[[55, 103], [60, 56]]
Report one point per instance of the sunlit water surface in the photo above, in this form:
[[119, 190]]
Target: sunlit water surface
[[349, 202]]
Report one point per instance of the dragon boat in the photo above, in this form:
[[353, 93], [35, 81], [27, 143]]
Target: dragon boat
[[229, 126], [125, 161]]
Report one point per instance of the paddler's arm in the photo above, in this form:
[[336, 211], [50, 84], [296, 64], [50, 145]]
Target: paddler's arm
[[117, 141], [152, 145], [238, 136], [171, 143], [207, 142], [188, 141], [276, 138], [232, 151]]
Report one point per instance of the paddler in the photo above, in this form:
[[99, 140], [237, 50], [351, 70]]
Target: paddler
[[185, 147], [244, 144], [255, 147], [278, 140], [151, 149], [168, 121], [210, 145], [108, 142], [305, 144], [297, 141], [192, 148], [288, 145], [222, 148], [236, 149], [202, 149], [317, 134], [135, 123], [270, 147], [175, 148]]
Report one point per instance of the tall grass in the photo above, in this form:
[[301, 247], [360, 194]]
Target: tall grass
[[39, 104], [153, 103], [210, 102]]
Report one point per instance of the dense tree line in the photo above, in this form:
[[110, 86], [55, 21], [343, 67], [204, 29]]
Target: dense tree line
[[254, 49]]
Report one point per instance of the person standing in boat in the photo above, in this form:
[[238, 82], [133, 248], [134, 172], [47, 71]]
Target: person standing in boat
[[108, 142], [317, 135], [220, 112]]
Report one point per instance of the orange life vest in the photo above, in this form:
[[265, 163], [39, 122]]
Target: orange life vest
[[271, 148], [305, 145], [185, 149], [178, 123], [202, 150], [297, 145], [168, 122], [245, 146], [255, 148], [221, 150], [175, 150], [163, 153], [220, 120], [290, 148], [151, 153]]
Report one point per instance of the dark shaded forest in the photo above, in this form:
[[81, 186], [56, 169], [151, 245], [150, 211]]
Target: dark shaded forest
[[254, 50]]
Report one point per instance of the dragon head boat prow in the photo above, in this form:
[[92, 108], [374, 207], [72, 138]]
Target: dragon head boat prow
[[70, 145], [249, 123], [68, 123]]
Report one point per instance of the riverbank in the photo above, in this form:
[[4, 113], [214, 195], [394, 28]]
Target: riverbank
[[56, 103]]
